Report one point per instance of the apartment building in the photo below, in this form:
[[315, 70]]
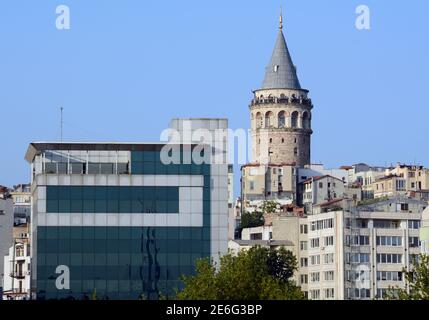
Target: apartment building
[[321, 189], [6, 227], [17, 266], [359, 252], [21, 197], [416, 177], [402, 180], [363, 175]]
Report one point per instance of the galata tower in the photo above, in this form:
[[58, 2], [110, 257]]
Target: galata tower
[[280, 112]]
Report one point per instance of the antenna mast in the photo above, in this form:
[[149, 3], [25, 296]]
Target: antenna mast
[[61, 124]]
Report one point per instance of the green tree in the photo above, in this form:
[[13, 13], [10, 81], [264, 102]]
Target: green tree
[[256, 274], [416, 279], [253, 219]]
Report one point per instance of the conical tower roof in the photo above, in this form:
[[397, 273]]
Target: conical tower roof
[[281, 72]]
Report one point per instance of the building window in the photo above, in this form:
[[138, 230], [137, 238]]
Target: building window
[[315, 294], [389, 275], [328, 258], [358, 293], [315, 260], [329, 275], [357, 258], [304, 262], [389, 258], [357, 240], [281, 119], [329, 241], [303, 245], [268, 116], [305, 120], [304, 279], [329, 293], [303, 229], [413, 242], [256, 236], [386, 224], [400, 185], [252, 185], [294, 119], [393, 241], [314, 277], [413, 224], [314, 243]]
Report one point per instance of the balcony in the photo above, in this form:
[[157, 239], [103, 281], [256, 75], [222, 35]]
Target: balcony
[[286, 101]]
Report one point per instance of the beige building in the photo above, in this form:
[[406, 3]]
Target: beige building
[[271, 182], [416, 177], [389, 186], [401, 180]]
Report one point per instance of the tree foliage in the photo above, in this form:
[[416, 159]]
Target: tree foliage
[[256, 274], [252, 219], [416, 279], [269, 206]]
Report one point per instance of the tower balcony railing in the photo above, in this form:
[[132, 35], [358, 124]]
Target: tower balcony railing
[[287, 101]]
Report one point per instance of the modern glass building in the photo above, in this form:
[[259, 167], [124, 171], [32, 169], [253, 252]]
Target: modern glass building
[[114, 220]]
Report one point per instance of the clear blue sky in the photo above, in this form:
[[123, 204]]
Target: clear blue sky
[[127, 67]]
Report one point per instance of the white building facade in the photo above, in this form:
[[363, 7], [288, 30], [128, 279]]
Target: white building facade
[[361, 252]]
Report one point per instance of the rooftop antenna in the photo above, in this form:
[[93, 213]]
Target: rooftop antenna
[[61, 124], [281, 19]]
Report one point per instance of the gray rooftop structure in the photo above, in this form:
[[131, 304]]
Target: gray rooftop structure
[[281, 72]]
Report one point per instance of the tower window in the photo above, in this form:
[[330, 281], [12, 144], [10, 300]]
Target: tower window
[[294, 119], [295, 151], [295, 140], [283, 140], [271, 140], [306, 120], [281, 119], [276, 68]]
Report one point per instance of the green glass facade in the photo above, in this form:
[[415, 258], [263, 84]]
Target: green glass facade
[[118, 262], [149, 162], [121, 262], [112, 199]]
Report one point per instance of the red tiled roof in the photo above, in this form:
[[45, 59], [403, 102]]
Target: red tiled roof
[[328, 203], [321, 177]]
